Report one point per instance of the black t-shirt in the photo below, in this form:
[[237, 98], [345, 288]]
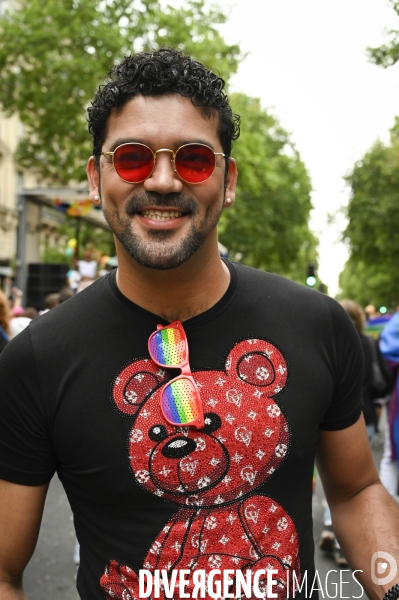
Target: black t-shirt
[[3, 343], [274, 362]]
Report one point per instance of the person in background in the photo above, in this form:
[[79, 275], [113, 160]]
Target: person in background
[[389, 346], [16, 296], [73, 278], [18, 324], [369, 347], [5, 331], [65, 294], [30, 312], [19, 320], [50, 302], [17, 311], [104, 267], [327, 541], [371, 311], [87, 268], [375, 322]]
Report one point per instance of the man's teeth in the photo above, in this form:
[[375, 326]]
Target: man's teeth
[[161, 215]]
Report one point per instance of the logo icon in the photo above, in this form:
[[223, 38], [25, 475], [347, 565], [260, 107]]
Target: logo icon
[[380, 574]]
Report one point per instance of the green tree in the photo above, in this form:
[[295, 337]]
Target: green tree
[[373, 225], [387, 54], [370, 275], [88, 235], [54, 54], [306, 254], [268, 224], [367, 284]]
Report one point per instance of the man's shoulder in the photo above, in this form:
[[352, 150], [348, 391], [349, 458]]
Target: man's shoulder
[[287, 301], [277, 285], [261, 277]]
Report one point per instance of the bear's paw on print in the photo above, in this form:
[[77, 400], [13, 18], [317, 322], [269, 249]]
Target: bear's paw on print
[[213, 473]]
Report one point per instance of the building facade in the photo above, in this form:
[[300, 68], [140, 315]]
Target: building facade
[[29, 219]]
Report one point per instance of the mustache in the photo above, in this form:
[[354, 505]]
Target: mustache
[[142, 200]]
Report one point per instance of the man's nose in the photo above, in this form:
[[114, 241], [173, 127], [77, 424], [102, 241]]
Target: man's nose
[[164, 178]]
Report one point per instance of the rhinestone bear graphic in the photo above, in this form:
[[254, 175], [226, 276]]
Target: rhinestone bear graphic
[[212, 473]]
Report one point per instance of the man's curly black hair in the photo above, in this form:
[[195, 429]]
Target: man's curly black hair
[[164, 71]]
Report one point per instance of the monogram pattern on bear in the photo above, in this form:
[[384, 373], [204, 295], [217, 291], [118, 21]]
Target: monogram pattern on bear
[[211, 473]]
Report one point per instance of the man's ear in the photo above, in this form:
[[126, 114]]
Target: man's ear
[[231, 182], [93, 177]]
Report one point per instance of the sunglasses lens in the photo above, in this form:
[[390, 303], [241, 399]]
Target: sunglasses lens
[[133, 162], [195, 163], [179, 402], [168, 347]]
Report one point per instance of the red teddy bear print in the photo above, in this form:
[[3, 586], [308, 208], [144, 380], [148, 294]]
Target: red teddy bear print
[[212, 472]]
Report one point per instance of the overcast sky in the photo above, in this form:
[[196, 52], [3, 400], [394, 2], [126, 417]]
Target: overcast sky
[[307, 62]]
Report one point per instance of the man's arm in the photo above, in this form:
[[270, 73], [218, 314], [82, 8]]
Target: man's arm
[[21, 509], [365, 518]]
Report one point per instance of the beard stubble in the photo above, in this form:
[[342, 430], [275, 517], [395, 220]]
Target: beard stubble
[[158, 250]]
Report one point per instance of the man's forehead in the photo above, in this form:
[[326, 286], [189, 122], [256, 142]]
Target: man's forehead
[[162, 100], [167, 110]]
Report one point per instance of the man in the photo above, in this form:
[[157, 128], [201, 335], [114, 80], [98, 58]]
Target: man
[[182, 398]]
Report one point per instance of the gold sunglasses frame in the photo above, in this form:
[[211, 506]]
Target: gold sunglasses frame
[[172, 160]]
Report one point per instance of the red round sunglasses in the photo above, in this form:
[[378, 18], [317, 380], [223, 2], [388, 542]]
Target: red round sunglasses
[[181, 403], [134, 162]]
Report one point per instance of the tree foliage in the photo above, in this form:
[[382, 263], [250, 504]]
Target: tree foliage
[[268, 224], [373, 225], [370, 276], [54, 54], [367, 284], [387, 54], [87, 234]]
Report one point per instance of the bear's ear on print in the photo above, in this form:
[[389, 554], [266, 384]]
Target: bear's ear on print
[[258, 363], [135, 383]]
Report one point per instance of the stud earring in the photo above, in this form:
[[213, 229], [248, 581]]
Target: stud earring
[[96, 198], [228, 201]]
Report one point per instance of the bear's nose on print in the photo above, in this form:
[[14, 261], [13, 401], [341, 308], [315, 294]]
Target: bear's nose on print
[[179, 447]]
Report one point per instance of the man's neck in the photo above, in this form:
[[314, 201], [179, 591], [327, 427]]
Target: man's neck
[[175, 294]]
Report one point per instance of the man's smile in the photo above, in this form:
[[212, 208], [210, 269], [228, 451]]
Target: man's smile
[[159, 218], [161, 215]]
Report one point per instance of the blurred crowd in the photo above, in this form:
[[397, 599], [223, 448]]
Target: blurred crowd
[[15, 315], [379, 341]]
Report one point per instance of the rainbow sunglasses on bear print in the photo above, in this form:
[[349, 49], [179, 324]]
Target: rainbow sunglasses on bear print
[[180, 402]]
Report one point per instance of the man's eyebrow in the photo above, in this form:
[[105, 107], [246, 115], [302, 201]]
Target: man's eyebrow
[[121, 141], [195, 141], [177, 144]]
